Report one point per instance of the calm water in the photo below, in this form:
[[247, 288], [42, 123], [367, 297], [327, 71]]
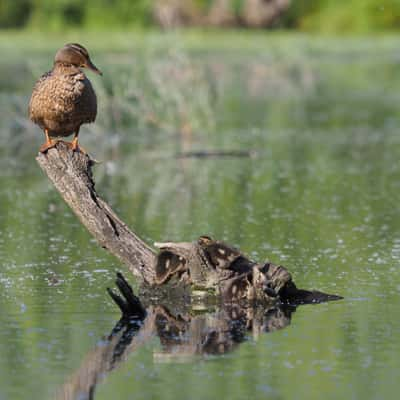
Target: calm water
[[320, 195]]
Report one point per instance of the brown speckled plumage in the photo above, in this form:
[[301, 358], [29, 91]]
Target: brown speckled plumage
[[63, 99]]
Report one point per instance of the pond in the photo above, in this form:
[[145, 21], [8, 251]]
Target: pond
[[312, 184]]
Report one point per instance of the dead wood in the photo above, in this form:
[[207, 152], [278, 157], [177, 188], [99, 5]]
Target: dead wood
[[71, 174], [205, 265]]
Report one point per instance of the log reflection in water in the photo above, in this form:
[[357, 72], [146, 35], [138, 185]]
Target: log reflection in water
[[217, 332], [182, 337]]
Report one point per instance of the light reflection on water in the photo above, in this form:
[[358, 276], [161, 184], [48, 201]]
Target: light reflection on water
[[320, 197]]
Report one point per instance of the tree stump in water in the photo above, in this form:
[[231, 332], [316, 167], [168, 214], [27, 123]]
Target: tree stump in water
[[204, 265]]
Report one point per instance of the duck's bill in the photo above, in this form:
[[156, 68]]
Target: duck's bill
[[92, 67]]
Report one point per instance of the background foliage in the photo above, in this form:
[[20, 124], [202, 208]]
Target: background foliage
[[317, 15]]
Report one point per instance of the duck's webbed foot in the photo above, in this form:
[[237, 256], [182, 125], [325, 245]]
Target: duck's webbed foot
[[48, 144], [75, 146]]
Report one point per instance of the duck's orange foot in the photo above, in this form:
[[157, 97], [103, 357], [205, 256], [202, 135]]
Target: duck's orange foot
[[75, 147], [47, 145]]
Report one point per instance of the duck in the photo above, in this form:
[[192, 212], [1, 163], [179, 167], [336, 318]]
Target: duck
[[63, 99]]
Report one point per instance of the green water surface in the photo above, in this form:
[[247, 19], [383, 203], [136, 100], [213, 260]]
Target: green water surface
[[319, 194]]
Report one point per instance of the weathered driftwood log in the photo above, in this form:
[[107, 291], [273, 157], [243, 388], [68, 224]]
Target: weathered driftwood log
[[71, 174], [206, 264], [213, 265]]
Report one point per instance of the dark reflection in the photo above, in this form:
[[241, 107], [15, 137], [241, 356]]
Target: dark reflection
[[217, 332], [183, 333]]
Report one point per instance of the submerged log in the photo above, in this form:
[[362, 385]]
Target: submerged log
[[205, 265]]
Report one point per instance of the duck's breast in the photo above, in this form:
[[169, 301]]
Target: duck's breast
[[85, 104], [61, 102]]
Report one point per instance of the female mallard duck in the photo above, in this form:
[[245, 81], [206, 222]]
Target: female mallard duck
[[63, 99]]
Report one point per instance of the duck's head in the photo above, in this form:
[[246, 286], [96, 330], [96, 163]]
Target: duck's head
[[77, 55]]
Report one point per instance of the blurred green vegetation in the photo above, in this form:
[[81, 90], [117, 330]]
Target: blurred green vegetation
[[326, 16], [353, 16]]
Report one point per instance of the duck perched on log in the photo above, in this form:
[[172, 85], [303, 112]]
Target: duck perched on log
[[63, 99]]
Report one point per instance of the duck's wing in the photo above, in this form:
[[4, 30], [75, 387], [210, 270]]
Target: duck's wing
[[37, 101]]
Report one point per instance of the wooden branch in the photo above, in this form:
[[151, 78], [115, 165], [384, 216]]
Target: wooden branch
[[71, 174], [205, 264]]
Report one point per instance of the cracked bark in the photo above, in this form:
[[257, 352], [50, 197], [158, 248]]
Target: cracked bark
[[71, 174]]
